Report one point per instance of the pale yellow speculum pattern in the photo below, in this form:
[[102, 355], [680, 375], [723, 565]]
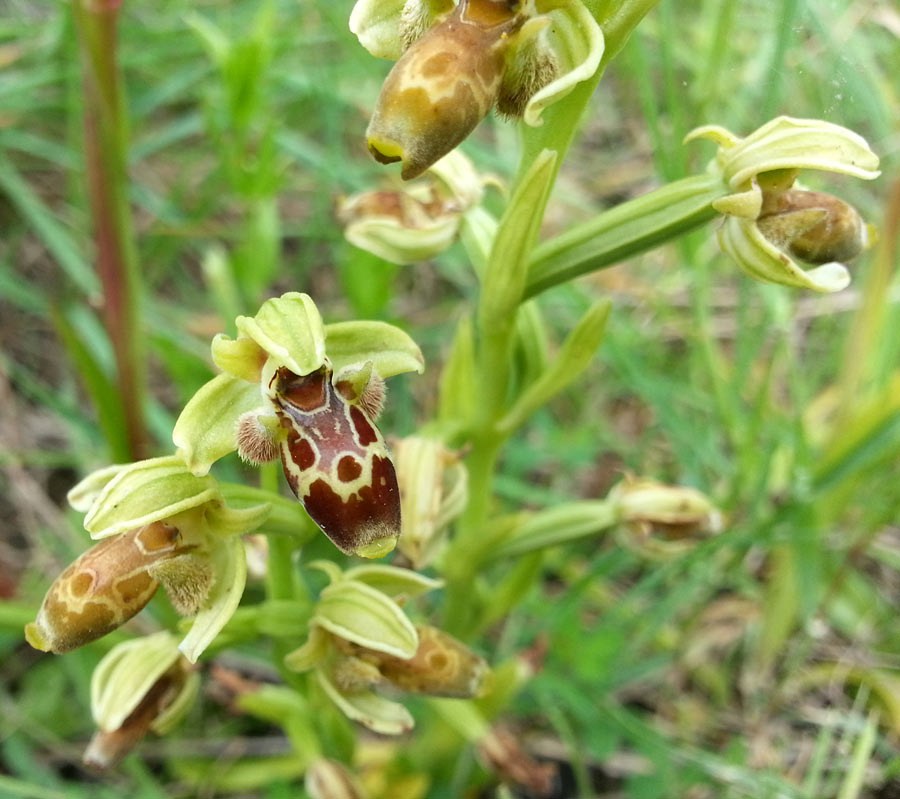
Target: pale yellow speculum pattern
[[102, 589]]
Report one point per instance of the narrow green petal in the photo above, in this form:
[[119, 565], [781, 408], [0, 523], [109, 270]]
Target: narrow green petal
[[359, 613], [230, 568], [206, 429], [240, 357], [224, 520], [393, 581], [372, 711], [146, 492], [376, 23], [388, 238], [310, 654], [576, 42]]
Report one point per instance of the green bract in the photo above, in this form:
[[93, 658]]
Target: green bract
[[762, 167]]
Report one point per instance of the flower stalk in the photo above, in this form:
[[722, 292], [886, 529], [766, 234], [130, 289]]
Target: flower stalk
[[106, 149]]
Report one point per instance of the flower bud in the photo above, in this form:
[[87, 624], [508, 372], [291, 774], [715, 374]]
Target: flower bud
[[140, 685], [441, 666], [814, 227], [433, 492], [443, 86], [662, 519], [103, 588]]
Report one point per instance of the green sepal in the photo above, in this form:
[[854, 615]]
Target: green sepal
[[83, 494], [391, 350], [230, 570], [574, 356], [372, 711], [289, 328], [359, 613], [393, 581], [125, 675], [146, 492], [310, 654], [206, 428]]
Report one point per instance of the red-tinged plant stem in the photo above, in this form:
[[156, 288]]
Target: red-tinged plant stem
[[106, 152]]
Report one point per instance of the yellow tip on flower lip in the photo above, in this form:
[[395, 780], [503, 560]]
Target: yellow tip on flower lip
[[385, 151], [35, 637], [378, 548]]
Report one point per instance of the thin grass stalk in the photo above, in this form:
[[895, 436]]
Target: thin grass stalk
[[106, 150]]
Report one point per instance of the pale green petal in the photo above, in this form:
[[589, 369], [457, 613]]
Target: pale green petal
[[206, 428], [788, 143], [359, 613], [146, 492], [310, 654], [329, 567], [758, 257], [83, 494], [388, 238], [289, 328], [576, 42], [372, 711], [390, 350], [125, 675], [376, 24], [224, 520], [230, 569], [459, 175], [178, 708], [393, 581], [240, 357]]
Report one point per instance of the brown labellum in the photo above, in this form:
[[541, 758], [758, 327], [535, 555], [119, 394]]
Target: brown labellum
[[337, 463], [102, 589], [443, 86]]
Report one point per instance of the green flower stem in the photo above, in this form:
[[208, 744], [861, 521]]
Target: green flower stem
[[106, 151], [625, 231], [280, 570], [496, 324]]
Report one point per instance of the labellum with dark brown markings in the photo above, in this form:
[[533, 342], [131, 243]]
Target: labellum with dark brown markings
[[335, 458]]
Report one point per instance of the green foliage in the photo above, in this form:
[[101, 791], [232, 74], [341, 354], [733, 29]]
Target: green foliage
[[718, 672]]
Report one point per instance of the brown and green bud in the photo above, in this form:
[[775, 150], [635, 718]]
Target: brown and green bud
[[443, 86], [103, 588], [441, 666], [812, 226], [140, 685]]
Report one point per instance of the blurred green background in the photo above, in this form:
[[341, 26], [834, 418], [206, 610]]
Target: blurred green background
[[765, 662]]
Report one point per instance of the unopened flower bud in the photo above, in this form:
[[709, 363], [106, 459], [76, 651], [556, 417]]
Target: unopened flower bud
[[328, 779], [103, 588], [662, 519], [441, 666], [814, 227], [141, 685], [433, 491], [443, 86]]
